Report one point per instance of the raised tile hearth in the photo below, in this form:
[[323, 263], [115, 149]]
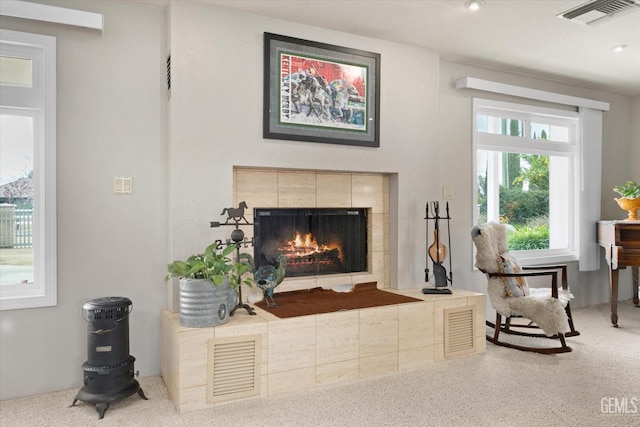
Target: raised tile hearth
[[262, 355]]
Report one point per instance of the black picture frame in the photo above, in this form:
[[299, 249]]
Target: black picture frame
[[318, 92]]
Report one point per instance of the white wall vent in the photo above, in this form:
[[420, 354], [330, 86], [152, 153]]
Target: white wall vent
[[598, 11], [459, 331], [233, 368]]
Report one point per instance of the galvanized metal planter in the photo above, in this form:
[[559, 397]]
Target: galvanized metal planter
[[203, 304]]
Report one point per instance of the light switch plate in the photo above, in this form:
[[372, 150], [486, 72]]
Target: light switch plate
[[447, 192], [122, 185]]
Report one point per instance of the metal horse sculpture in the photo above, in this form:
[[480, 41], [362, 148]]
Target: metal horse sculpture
[[235, 214]]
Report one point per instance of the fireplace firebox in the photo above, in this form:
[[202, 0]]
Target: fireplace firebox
[[316, 241]]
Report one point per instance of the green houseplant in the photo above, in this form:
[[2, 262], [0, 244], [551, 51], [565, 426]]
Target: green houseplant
[[208, 285], [630, 198]]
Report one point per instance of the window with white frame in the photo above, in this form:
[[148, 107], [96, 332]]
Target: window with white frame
[[27, 170], [526, 164]]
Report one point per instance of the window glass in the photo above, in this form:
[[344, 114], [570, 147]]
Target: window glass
[[16, 71], [499, 125], [28, 261], [527, 195], [528, 182], [16, 199], [548, 132]]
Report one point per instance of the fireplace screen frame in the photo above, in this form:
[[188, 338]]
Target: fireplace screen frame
[[354, 232]]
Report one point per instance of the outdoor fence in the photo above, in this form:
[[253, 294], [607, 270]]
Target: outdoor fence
[[16, 227]]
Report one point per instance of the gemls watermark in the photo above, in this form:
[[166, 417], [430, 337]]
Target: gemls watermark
[[619, 405]]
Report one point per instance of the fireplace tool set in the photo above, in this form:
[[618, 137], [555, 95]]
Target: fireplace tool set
[[437, 252]]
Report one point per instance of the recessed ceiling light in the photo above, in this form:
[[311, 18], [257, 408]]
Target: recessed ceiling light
[[473, 4], [620, 48]]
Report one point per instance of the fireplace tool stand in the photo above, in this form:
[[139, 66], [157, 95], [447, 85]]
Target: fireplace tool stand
[[108, 371], [437, 252], [236, 216]]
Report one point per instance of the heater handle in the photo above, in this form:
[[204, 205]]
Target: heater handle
[[115, 323]]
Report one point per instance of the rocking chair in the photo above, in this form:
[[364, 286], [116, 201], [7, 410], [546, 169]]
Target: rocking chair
[[546, 310]]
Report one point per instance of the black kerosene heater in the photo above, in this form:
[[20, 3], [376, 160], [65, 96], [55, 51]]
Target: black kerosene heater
[[108, 371]]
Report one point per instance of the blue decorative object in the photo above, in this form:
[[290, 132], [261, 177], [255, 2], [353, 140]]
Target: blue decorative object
[[269, 277]]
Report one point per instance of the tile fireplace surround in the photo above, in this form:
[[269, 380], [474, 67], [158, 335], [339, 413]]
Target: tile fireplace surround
[[263, 355], [283, 188]]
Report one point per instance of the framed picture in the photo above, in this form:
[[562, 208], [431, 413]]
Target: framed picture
[[318, 92]]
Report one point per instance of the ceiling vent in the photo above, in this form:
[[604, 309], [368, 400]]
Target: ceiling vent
[[598, 11]]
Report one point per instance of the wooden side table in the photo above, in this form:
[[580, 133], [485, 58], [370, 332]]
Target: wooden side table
[[621, 241]]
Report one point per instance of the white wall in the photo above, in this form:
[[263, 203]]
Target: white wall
[[216, 122], [634, 154], [110, 109]]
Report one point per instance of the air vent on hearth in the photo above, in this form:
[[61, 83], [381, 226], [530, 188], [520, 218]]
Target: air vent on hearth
[[459, 331], [233, 368], [598, 11]]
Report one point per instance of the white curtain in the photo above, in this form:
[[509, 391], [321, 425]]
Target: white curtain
[[590, 192]]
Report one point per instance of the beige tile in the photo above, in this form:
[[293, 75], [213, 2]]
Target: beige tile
[[292, 344], [377, 239], [378, 365], [252, 295], [378, 331], [438, 354], [478, 301], [296, 189], [415, 357], [387, 273], [297, 283], [192, 343], [386, 193], [368, 192], [257, 187], [290, 381], [194, 399], [440, 305], [338, 372], [241, 324], [333, 190], [385, 236], [169, 361], [480, 342], [264, 384], [249, 326], [415, 325], [337, 337]]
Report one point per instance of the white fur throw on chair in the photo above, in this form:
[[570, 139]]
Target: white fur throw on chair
[[537, 304]]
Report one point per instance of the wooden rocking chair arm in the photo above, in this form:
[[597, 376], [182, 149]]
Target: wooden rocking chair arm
[[563, 267], [545, 267], [532, 274], [553, 274]]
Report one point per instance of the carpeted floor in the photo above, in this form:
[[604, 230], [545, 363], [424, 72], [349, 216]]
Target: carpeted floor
[[592, 386]]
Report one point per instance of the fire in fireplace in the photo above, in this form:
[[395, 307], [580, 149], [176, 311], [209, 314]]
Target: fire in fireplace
[[316, 241]]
